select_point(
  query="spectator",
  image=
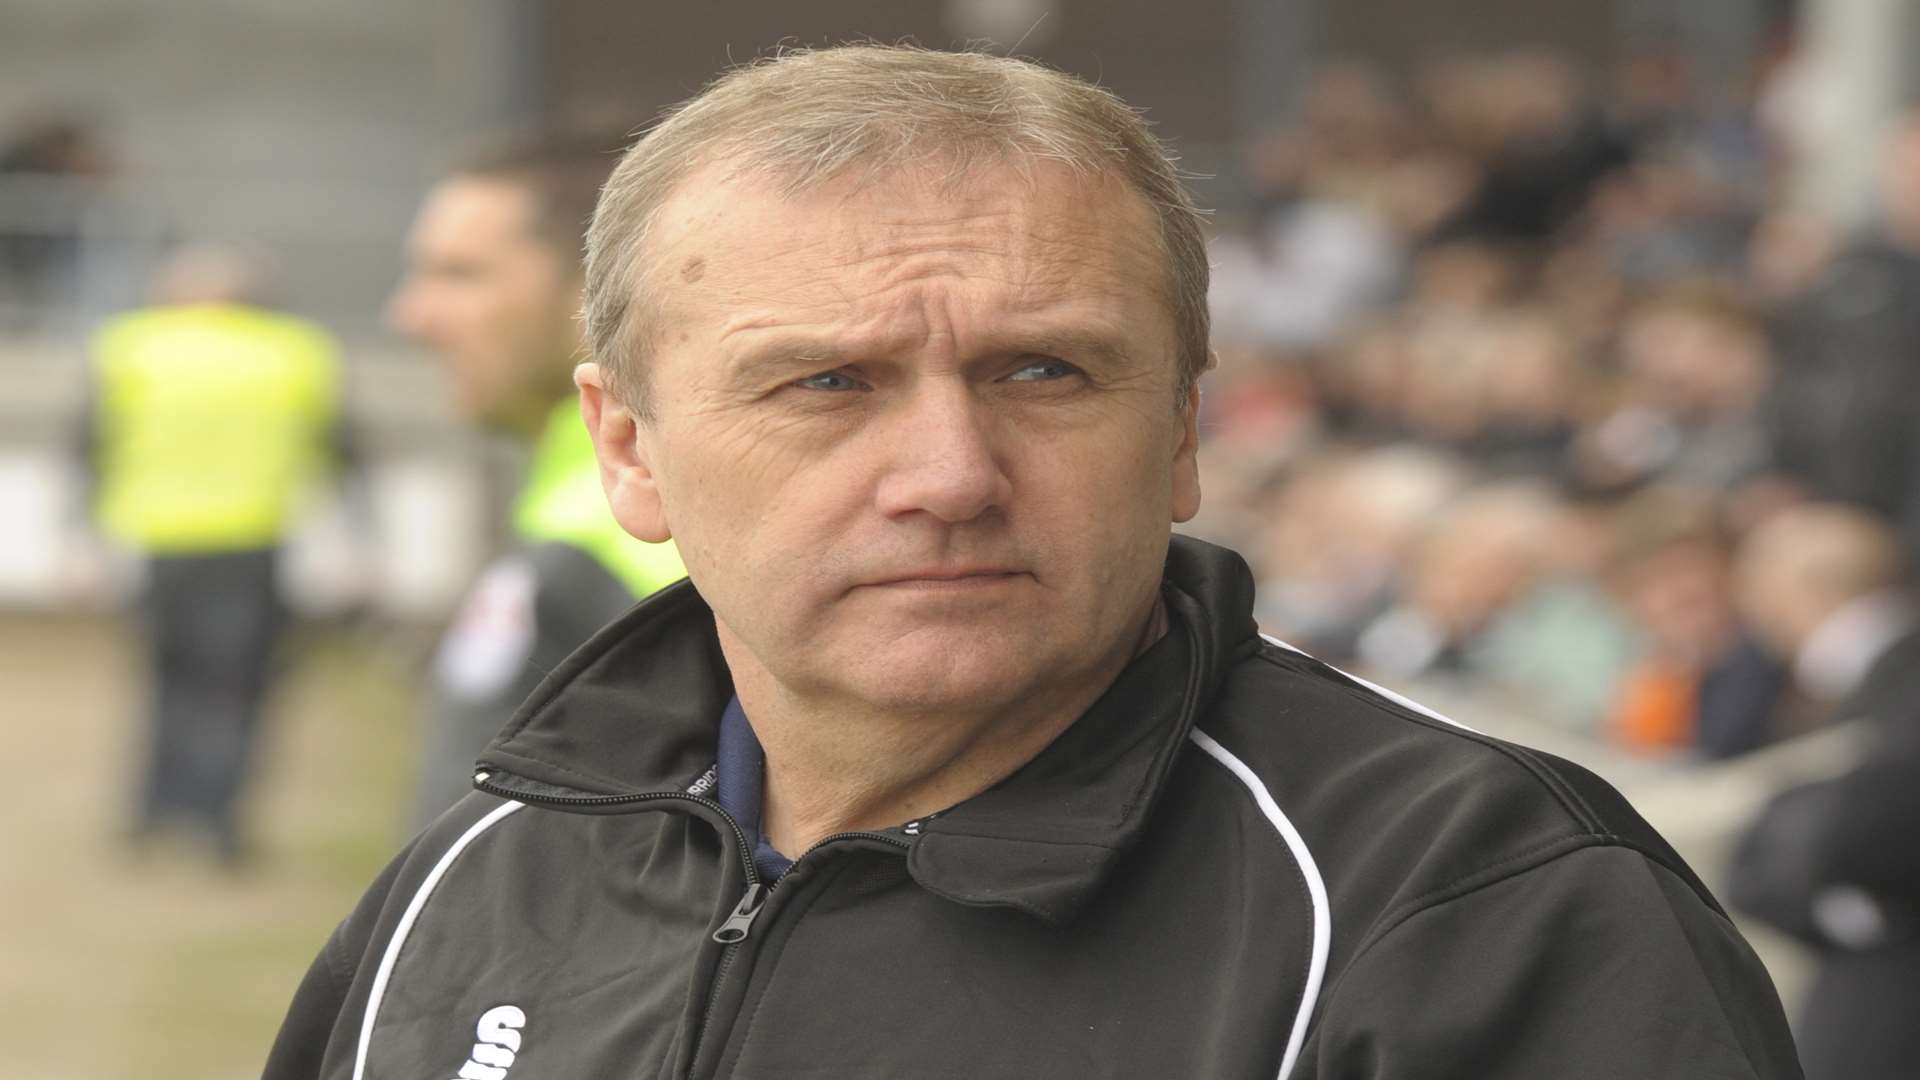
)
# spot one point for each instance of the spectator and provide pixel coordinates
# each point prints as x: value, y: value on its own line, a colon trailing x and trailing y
x: 1833, y: 862
x: 493, y: 288
x: 1475, y: 562
x: 1702, y: 684
x: 1533, y: 382
x: 1845, y: 417
x: 1339, y: 532
x: 211, y: 415
x: 1694, y: 367
x: 1546, y: 147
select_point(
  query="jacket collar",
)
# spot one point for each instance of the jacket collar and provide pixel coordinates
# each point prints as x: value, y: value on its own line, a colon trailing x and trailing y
x: 636, y: 709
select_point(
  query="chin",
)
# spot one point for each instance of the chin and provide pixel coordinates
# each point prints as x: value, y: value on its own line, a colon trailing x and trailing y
x: 956, y: 678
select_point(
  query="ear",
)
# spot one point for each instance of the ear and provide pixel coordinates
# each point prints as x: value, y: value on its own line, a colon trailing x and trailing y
x: 1186, y: 461
x: 626, y: 460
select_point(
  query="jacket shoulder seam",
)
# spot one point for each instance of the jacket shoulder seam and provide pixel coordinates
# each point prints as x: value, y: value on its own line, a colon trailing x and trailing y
x: 1520, y: 862
x: 1563, y: 793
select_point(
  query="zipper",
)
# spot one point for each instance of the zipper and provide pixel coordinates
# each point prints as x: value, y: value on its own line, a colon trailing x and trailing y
x: 885, y: 838
x: 734, y: 930
x: 739, y: 923
x: 483, y: 780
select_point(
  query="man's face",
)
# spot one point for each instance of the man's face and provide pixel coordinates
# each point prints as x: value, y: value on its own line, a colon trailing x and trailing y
x: 918, y: 444
x: 493, y: 302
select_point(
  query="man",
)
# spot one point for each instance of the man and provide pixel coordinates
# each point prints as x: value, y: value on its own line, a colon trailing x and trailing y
x: 945, y: 763
x: 210, y: 416
x: 1833, y: 862
x: 1844, y: 411
x: 493, y: 288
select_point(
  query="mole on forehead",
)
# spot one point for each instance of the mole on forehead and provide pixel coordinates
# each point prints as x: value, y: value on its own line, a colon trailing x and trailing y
x: 693, y: 269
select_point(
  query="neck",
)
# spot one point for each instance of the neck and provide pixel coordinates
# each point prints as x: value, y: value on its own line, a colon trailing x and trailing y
x: 833, y: 767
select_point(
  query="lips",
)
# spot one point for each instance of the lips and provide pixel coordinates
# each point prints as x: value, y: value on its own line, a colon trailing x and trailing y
x: 951, y: 576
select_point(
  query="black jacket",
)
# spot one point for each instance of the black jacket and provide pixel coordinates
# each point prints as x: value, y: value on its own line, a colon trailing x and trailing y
x: 1238, y: 863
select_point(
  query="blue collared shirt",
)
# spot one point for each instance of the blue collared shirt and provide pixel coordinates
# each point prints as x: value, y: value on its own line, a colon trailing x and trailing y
x: 740, y: 786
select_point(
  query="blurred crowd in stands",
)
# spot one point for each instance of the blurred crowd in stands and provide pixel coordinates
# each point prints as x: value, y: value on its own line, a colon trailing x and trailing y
x: 1512, y: 367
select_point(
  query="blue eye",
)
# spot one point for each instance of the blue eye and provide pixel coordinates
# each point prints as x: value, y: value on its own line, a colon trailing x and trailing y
x: 1042, y: 371
x: 829, y: 380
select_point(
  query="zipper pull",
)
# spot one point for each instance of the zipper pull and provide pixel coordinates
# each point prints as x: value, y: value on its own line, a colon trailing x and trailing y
x: 734, y: 930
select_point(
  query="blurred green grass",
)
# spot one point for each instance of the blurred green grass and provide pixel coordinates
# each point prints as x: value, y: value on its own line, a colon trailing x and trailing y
x: 160, y: 965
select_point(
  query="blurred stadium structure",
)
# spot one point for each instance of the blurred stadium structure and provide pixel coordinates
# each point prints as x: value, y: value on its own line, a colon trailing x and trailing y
x: 310, y: 131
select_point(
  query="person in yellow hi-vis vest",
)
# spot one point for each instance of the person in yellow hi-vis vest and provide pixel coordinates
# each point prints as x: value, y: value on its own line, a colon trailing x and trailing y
x: 209, y: 418
x: 492, y: 288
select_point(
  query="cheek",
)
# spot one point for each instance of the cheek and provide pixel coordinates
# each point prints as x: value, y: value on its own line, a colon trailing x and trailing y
x: 1110, y: 495
x: 744, y: 499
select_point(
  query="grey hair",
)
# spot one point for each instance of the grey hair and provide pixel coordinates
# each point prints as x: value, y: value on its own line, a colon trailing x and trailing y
x: 805, y: 117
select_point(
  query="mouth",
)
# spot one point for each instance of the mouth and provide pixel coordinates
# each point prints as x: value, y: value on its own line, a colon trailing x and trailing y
x: 948, y: 578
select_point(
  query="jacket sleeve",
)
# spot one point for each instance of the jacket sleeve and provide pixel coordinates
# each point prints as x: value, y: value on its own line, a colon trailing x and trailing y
x: 1596, y: 963
x: 320, y: 1004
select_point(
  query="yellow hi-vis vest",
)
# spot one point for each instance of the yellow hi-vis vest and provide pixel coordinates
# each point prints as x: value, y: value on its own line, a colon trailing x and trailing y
x: 211, y: 419
x: 563, y: 501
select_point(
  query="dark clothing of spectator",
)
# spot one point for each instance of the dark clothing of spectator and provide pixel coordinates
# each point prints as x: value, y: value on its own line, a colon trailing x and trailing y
x: 1844, y: 414
x: 1738, y: 702
x: 212, y: 622
x: 1506, y: 449
x: 1533, y: 186
x: 1834, y: 863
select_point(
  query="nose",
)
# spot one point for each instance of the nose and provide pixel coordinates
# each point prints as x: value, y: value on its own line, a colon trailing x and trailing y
x: 943, y: 458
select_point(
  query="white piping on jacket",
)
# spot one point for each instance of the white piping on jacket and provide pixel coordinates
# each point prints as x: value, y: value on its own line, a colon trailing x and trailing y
x: 400, y: 932
x: 1375, y: 687
x: 1316, y: 890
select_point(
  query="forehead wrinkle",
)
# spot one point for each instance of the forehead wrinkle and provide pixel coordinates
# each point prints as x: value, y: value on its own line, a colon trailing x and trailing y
x: 1025, y: 257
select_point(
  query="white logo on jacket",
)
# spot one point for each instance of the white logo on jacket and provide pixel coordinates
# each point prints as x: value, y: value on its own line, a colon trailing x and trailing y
x: 499, y: 1034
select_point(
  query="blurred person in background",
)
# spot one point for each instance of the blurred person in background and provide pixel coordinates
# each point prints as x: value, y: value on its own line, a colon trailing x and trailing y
x: 1835, y: 863
x: 1702, y: 684
x: 1542, y: 145
x: 1474, y: 560
x: 1495, y: 593
x: 1361, y: 385
x: 1319, y: 251
x: 493, y: 290
x: 1560, y: 648
x: 1339, y: 530
x: 1845, y: 415
x: 1695, y: 366
x: 1534, y: 384
x: 1457, y: 280
x: 210, y: 416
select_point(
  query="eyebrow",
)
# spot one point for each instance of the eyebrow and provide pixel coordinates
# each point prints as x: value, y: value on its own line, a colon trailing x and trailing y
x: 1070, y: 343
x: 784, y: 354
x: 802, y: 352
